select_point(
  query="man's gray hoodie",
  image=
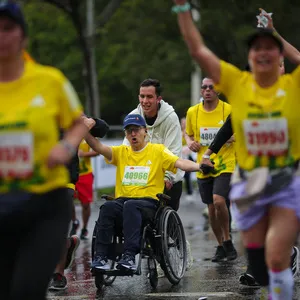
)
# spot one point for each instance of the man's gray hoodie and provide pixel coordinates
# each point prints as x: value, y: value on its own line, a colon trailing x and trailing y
x: 165, y: 130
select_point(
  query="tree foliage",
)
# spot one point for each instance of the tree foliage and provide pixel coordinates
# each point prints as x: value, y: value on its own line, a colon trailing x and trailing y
x: 141, y: 39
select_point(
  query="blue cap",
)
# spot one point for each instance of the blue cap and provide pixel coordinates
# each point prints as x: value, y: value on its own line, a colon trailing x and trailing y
x: 13, y: 11
x: 134, y: 119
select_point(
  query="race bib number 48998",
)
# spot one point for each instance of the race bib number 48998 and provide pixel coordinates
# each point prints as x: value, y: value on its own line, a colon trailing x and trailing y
x: 16, y: 155
x: 266, y: 137
x: 136, y: 175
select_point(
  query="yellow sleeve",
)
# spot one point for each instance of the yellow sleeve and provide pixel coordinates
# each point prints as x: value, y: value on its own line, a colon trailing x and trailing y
x: 169, y: 160
x: 230, y: 75
x: 296, y: 74
x: 188, y: 126
x: 116, y: 150
x: 69, y: 103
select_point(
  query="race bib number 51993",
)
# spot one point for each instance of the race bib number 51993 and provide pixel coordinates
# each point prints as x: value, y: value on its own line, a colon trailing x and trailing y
x: 16, y: 155
x: 136, y: 175
x: 266, y: 137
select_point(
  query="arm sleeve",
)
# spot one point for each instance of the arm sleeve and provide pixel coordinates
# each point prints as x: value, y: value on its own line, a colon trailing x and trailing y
x: 222, y: 136
x: 230, y: 75
x: 70, y: 107
x: 115, y: 155
x: 169, y: 160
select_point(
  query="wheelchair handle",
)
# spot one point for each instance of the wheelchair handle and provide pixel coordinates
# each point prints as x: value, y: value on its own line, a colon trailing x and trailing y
x: 107, y: 197
x: 163, y: 197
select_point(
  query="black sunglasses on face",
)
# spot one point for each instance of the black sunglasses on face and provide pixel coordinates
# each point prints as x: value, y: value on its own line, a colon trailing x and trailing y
x: 204, y: 87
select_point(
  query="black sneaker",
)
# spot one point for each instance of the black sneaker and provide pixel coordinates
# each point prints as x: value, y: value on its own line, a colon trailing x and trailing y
x: 127, y: 261
x: 58, y: 282
x: 230, y: 251
x: 247, y: 279
x: 75, y: 226
x: 74, y: 240
x: 295, y: 261
x: 220, y: 254
x: 84, y: 234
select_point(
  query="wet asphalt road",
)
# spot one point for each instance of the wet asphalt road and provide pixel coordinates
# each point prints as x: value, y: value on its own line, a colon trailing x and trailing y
x: 204, y: 279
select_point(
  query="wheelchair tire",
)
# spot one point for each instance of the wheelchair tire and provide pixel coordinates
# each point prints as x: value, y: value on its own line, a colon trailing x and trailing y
x: 107, y: 280
x: 153, y: 277
x: 173, y: 245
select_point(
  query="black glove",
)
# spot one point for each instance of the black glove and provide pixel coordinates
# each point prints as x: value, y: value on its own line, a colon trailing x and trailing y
x: 206, y: 169
x: 100, y: 129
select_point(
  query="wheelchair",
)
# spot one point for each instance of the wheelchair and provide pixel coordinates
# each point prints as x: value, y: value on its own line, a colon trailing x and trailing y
x: 163, y: 241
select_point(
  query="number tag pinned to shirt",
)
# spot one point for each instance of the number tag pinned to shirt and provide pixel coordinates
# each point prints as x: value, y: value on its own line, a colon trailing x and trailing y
x: 266, y: 137
x: 136, y: 175
x: 16, y: 155
x: 207, y: 135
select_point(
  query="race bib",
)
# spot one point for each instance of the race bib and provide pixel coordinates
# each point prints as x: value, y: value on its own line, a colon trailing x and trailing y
x: 266, y: 137
x: 16, y: 155
x: 207, y: 135
x: 136, y: 175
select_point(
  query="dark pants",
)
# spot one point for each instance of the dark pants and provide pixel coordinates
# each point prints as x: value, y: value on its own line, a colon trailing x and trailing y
x: 188, y: 183
x: 175, y: 194
x: 33, y: 229
x: 122, y: 211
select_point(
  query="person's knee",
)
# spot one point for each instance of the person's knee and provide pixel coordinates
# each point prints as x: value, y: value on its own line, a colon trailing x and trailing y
x: 85, y: 206
x: 219, y: 203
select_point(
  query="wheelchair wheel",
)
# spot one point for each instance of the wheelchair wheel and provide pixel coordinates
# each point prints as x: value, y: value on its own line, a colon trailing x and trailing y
x: 152, y: 272
x: 101, y: 279
x: 173, y: 245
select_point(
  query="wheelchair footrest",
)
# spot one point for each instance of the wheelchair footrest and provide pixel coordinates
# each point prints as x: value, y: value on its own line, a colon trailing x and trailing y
x: 115, y: 272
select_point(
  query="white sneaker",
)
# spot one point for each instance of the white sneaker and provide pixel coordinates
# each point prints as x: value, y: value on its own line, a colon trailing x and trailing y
x: 205, y: 212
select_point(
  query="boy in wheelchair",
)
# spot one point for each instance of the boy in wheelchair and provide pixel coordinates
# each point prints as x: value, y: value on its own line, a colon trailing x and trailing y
x: 139, y: 178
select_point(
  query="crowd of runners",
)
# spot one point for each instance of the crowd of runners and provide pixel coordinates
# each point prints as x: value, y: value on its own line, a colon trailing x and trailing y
x: 247, y: 157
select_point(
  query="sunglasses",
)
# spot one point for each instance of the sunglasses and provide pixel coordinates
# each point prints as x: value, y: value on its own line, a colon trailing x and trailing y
x: 133, y: 129
x: 204, y: 87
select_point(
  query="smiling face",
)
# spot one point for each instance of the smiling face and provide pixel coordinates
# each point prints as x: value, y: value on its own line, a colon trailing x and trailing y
x: 264, y: 55
x: 149, y: 101
x: 12, y: 40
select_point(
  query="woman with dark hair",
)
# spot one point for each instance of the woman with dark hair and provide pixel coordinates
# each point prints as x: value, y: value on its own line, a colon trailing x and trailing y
x: 265, y: 192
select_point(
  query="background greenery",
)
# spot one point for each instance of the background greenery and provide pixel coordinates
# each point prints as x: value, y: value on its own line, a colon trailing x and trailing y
x: 142, y: 40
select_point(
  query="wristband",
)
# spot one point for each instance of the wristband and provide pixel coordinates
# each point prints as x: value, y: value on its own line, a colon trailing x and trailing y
x: 177, y: 9
x: 70, y: 148
x: 206, y: 156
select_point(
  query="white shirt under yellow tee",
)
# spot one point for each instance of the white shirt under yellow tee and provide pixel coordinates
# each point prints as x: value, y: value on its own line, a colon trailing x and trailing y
x: 85, y: 164
x: 141, y: 173
x: 32, y: 110
x: 265, y: 120
x: 203, y: 126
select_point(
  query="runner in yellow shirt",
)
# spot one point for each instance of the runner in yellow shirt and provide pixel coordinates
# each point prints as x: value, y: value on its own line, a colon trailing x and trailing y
x: 265, y: 118
x: 202, y: 124
x: 34, y: 207
x: 84, y: 188
x: 140, y: 175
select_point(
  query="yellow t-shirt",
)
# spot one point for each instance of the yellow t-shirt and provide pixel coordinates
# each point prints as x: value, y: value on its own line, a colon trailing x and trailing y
x: 71, y: 186
x: 85, y: 164
x: 265, y: 120
x: 203, y: 126
x: 32, y: 110
x: 141, y: 174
